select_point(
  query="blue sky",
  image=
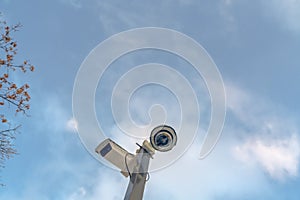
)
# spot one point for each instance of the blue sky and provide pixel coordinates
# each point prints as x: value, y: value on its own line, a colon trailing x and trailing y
x: 255, y: 45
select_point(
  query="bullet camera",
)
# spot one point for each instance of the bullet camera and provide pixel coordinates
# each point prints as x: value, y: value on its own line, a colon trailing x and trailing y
x: 115, y: 154
x: 163, y: 138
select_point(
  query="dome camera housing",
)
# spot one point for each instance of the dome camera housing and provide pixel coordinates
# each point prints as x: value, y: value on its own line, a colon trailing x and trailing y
x: 163, y: 138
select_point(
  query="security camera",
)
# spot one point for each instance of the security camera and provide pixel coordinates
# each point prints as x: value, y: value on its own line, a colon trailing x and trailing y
x: 163, y: 138
x: 115, y: 154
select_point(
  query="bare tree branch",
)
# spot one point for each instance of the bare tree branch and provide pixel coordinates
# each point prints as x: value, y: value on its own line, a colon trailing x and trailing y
x: 14, y: 98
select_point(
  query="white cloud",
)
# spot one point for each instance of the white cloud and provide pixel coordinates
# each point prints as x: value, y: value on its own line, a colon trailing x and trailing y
x: 115, y: 18
x: 72, y: 125
x: 278, y: 157
x: 286, y: 12
x: 109, y: 185
x: 80, y: 193
x: 74, y: 3
x: 191, y: 178
x: 54, y: 115
x: 257, y: 113
x: 269, y: 138
x: 225, y: 10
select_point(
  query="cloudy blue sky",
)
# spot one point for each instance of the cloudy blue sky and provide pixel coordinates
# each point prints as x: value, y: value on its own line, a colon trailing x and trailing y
x: 255, y: 45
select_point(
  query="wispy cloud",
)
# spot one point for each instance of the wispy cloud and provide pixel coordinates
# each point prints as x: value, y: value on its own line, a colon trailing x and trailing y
x: 106, y: 185
x: 225, y: 11
x: 287, y: 13
x: 278, y: 157
x: 284, y: 13
x: 53, y: 116
x: 115, y: 17
x: 71, y: 125
x: 80, y: 193
x: 74, y: 3
x: 270, y: 139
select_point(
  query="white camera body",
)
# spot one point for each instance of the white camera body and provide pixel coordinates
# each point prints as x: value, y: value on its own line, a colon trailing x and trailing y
x: 116, y: 155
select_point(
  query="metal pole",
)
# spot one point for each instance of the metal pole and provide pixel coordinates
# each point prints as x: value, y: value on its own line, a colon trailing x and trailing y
x: 138, y: 178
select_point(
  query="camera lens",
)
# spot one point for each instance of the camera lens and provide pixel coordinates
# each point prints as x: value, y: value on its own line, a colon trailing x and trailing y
x: 163, y: 138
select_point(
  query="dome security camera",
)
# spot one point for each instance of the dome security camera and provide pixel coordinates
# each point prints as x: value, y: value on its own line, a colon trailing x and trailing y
x: 163, y: 138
